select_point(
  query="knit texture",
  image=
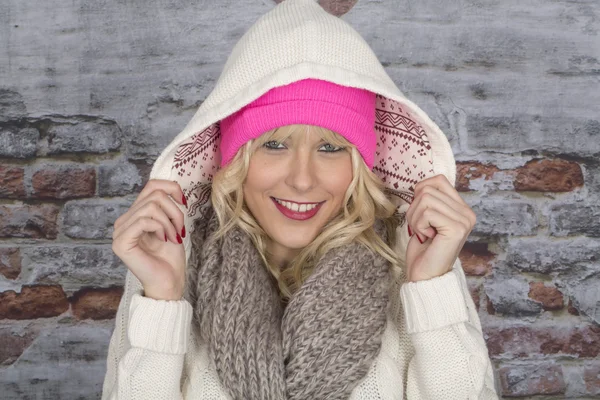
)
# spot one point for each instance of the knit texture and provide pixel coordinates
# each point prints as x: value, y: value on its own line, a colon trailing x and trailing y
x: 310, y: 350
x: 347, y: 111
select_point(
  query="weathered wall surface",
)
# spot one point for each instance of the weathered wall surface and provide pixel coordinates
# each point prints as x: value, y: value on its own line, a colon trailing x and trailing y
x: 91, y: 91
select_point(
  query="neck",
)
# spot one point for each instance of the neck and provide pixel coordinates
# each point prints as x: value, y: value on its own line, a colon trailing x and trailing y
x: 279, y: 255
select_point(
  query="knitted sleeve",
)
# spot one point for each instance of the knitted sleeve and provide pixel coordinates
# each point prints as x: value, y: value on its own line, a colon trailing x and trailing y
x: 147, y: 348
x: 450, y: 358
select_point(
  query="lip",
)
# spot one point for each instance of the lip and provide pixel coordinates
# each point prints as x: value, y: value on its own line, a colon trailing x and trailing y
x: 296, y: 215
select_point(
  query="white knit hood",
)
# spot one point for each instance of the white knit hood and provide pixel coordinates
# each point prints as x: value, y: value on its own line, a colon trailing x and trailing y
x: 296, y: 40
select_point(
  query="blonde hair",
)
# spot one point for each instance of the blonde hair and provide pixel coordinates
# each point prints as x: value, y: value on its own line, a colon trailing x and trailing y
x: 365, y: 201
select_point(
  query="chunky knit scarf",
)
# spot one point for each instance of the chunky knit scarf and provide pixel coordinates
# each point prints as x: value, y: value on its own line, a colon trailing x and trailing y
x: 319, y: 346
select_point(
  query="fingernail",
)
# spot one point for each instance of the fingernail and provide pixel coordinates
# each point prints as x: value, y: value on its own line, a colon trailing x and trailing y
x: 165, y: 237
x: 409, y: 232
x: 419, y: 238
x: 178, y: 238
x: 183, y: 200
x: 183, y: 232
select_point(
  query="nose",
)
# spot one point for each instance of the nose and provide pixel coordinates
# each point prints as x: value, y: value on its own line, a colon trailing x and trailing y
x: 302, y: 171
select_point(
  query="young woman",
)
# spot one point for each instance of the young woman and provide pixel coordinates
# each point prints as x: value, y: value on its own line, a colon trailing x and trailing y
x: 323, y: 230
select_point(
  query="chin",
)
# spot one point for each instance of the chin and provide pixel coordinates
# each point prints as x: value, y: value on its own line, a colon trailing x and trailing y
x: 293, y: 237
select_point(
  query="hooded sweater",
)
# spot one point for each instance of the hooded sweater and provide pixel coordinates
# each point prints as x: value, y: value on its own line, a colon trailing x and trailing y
x: 432, y: 346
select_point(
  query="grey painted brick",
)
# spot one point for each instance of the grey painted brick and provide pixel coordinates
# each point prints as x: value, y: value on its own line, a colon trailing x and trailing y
x: 162, y: 120
x: 82, y: 134
x: 504, y: 217
x: 117, y: 59
x: 576, y: 256
x: 92, y: 219
x: 573, y: 375
x: 18, y: 142
x: 591, y: 177
x: 555, y: 37
x: 72, y: 266
x: 42, y: 371
x: 118, y: 179
x: 575, y: 219
x: 586, y: 295
x: 520, y: 132
x: 510, y: 296
x: 482, y: 111
x: 11, y: 105
x: 532, y: 379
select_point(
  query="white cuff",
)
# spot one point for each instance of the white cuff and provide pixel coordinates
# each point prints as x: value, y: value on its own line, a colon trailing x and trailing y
x: 433, y: 303
x: 159, y: 325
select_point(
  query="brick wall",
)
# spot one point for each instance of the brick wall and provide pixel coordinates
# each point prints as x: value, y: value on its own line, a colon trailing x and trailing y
x: 91, y: 92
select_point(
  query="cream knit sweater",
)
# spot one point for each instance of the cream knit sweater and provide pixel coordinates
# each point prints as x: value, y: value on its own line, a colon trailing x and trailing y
x: 432, y: 347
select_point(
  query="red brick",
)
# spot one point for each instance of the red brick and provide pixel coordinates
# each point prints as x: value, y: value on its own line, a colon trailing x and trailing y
x: 489, y: 306
x: 29, y: 221
x: 11, y: 183
x: 475, y: 290
x: 571, y: 308
x: 525, y: 341
x: 63, y: 182
x: 530, y: 380
x: 475, y: 259
x: 33, y: 302
x: 465, y: 171
x: 10, y: 262
x: 96, y: 303
x: 334, y: 7
x: 13, y: 345
x: 591, y: 376
x: 549, y: 176
x: 550, y: 297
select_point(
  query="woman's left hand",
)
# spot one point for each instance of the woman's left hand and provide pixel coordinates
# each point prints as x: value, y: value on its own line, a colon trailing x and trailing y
x: 443, y: 221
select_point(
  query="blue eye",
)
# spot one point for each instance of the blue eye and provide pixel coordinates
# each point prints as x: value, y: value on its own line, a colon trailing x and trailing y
x: 273, y: 145
x: 329, y: 148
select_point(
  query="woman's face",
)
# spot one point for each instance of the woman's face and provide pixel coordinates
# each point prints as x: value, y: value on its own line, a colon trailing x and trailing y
x: 293, y: 188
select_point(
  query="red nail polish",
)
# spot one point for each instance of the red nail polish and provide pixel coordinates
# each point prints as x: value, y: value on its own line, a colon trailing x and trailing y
x: 183, y: 200
x: 165, y: 237
x: 409, y: 232
x: 179, y: 238
x: 183, y: 232
x: 419, y: 239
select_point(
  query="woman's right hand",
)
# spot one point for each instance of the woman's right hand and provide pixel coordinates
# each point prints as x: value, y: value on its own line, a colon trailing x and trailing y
x: 146, y: 238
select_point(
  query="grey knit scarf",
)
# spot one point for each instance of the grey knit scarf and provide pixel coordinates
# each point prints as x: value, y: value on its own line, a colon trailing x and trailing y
x: 319, y: 346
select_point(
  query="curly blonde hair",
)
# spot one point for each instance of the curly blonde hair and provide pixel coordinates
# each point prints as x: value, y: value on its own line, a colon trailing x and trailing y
x: 365, y: 201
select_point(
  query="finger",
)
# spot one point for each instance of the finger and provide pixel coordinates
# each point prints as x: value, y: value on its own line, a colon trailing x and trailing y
x: 429, y: 202
x: 158, y: 206
x: 431, y: 192
x: 441, y: 183
x: 172, y: 211
x: 130, y: 236
x: 128, y: 244
x: 161, y: 197
x: 171, y: 188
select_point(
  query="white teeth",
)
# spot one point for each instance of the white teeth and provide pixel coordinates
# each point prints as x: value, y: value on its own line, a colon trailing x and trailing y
x: 297, y: 207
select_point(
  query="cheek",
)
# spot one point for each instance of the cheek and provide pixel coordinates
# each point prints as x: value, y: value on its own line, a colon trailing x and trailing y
x: 338, y: 178
x: 260, y: 179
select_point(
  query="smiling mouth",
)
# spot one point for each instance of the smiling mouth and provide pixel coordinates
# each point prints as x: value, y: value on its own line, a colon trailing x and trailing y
x: 297, y: 207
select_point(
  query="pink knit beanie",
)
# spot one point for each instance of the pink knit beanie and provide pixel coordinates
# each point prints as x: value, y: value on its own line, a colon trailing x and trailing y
x: 347, y: 111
